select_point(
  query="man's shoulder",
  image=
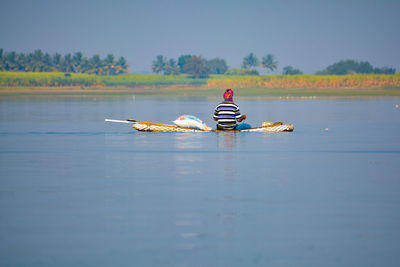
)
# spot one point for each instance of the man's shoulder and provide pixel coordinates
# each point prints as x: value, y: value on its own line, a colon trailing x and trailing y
x: 227, y: 103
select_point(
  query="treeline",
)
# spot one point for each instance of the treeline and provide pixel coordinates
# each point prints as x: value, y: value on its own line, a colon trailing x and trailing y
x: 193, y: 65
x: 349, y: 66
x: 69, y: 63
x: 199, y: 67
x: 196, y: 66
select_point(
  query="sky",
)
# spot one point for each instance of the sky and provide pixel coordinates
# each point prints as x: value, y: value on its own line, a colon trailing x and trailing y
x: 305, y: 34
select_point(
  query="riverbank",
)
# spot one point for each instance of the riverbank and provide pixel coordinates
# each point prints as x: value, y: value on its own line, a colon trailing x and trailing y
x: 193, y: 91
x: 16, y: 83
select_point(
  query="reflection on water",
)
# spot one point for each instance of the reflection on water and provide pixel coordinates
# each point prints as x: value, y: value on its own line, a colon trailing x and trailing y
x: 187, y: 163
x: 228, y: 140
x: 207, y: 171
x: 189, y: 141
x: 223, y: 146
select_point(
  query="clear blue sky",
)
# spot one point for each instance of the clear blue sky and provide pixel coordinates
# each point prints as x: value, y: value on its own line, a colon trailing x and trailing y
x: 309, y: 35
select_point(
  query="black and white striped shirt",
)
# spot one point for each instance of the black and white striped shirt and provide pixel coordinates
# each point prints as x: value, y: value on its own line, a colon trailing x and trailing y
x: 226, y: 113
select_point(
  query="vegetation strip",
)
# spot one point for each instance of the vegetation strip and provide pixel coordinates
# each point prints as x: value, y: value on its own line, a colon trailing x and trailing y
x: 57, y: 79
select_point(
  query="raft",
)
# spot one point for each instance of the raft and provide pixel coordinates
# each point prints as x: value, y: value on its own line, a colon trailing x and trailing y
x: 267, y: 127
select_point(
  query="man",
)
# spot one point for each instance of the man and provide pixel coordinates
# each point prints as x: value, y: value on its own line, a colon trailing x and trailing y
x: 227, y: 114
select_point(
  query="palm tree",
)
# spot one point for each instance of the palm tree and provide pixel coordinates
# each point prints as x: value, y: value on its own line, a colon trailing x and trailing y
x: 159, y: 64
x: 109, y: 59
x: 77, y: 61
x: 11, y: 61
x: 22, y: 62
x: 37, y: 61
x: 57, y: 62
x: 1, y: 59
x: 109, y: 62
x: 269, y: 63
x: 121, y: 66
x: 171, y: 68
x: 96, y: 65
x: 67, y: 63
x: 85, y: 65
x: 47, y: 62
x: 250, y: 61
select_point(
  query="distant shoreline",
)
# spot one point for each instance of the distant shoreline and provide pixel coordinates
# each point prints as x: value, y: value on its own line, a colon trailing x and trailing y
x: 196, y: 91
x: 309, y: 85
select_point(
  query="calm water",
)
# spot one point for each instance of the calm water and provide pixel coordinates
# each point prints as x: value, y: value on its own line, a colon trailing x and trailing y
x: 76, y: 191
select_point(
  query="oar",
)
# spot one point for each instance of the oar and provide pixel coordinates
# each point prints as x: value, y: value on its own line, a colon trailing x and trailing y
x: 120, y: 121
x: 135, y: 121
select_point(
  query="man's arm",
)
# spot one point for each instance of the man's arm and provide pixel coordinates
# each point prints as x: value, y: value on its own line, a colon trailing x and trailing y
x: 243, y: 117
x: 216, y: 113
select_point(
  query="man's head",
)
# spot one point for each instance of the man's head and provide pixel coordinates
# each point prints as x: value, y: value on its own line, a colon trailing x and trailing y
x: 228, y: 94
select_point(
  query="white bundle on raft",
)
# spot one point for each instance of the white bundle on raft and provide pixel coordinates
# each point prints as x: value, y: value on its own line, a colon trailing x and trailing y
x: 190, y: 121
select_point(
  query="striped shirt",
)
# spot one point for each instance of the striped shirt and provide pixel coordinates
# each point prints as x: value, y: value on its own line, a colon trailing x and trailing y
x: 226, y: 113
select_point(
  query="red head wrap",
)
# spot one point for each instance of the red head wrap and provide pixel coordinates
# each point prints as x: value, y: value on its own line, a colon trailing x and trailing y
x: 228, y: 95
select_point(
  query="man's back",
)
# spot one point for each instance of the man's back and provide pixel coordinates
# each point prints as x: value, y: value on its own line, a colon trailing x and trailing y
x: 226, y: 113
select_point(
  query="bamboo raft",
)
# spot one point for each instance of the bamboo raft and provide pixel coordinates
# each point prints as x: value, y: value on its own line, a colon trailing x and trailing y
x: 145, y: 126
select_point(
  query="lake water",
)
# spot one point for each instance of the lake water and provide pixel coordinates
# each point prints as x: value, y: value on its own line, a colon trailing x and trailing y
x: 77, y: 191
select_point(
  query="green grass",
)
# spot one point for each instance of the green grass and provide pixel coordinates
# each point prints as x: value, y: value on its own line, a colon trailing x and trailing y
x: 307, y: 81
x: 31, y: 79
x: 131, y: 80
x: 56, y: 79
